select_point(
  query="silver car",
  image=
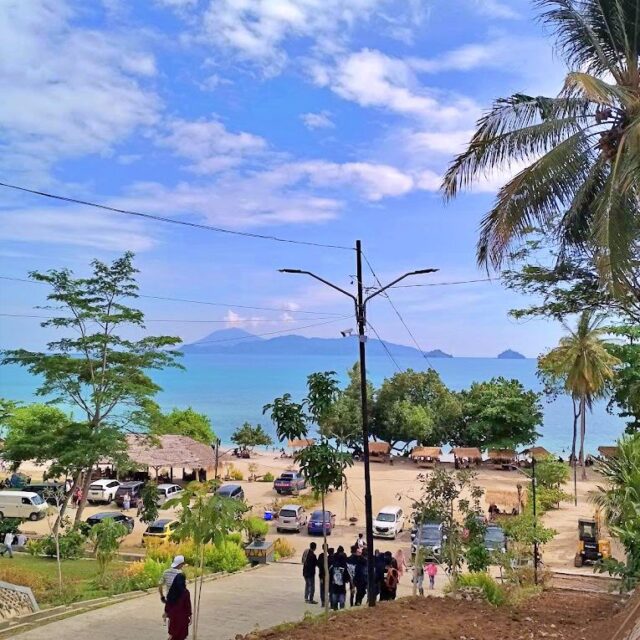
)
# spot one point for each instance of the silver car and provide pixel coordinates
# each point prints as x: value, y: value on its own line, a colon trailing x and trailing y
x: 292, y: 517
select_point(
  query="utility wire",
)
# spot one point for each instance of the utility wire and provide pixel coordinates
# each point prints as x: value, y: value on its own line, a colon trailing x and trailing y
x: 441, y: 284
x: 386, y: 348
x: 213, y: 304
x: 149, y: 216
x: 393, y: 306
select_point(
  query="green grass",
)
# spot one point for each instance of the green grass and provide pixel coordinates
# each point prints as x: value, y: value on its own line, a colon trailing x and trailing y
x: 41, y: 575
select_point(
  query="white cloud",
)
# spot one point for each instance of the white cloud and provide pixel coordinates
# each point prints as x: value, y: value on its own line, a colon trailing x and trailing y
x: 320, y: 120
x: 209, y: 145
x: 74, y: 227
x: 66, y: 90
x: 496, y: 9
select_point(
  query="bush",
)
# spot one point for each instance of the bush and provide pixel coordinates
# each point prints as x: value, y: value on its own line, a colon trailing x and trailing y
x: 478, y: 558
x: 9, y: 525
x: 256, y: 527
x: 72, y: 545
x: 236, y: 474
x: 283, y: 548
x: 228, y: 557
x: 267, y: 477
x: 41, y: 586
x: 144, y: 574
x: 493, y: 592
x: 236, y: 537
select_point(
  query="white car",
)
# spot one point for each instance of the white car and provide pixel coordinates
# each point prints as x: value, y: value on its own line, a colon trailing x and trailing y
x: 103, y: 490
x: 389, y: 522
x: 168, y: 492
x: 292, y: 517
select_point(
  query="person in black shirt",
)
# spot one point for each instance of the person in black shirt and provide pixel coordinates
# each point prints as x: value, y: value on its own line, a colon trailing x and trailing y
x: 320, y: 564
x: 309, y: 564
x: 339, y: 578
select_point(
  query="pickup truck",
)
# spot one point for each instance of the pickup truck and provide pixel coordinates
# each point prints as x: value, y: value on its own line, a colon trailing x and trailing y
x: 290, y: 482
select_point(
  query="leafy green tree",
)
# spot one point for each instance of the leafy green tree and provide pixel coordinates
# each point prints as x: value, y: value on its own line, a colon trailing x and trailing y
x: 149, y: 510
x: 184, y: 422
x: 204, y: 518
x: 582, y: 361
x: 414, y: 406
x: 499, y: 413
x: 91, y: 365
x: 625, y: 386
x: 579, y: 149
x: 7, y: 407
x: 106, y: 536
x: 248, y: 436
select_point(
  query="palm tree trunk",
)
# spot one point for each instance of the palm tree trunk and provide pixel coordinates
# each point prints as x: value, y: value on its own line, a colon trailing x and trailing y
x: 574, y: 462
x: 325, y: 550
x: 583, y: 429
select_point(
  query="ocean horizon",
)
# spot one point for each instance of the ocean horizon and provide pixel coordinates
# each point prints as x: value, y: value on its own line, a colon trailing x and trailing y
x: 233, y: 388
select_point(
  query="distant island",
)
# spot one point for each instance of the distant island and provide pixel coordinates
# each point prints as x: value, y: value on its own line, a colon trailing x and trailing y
x: 239, y: 341
x: 509, y: 354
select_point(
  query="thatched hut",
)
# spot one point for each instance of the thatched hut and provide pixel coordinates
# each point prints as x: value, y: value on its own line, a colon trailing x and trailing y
x: 537, y: 453
x: 466, y: 456
x: 426, y: 457
x: 301, y: 443
x: 502, y: 458
x: 379, y: 452
x: 609, y: 452
x: 505, y: 502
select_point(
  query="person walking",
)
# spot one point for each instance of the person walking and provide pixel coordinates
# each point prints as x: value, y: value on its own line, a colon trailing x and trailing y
x: 126, y: 501
x: 178, y: 608
x: 361, y: 542
x: 339, y: 578
x: 401, y: 562
x: 419, y: 578
x: 360, y: 577
x: 432, y: 572
x: 321, y: 574
x: 352, y: 563
x: 8, y: 544
x: 170, y: 575
x: 309, y: 565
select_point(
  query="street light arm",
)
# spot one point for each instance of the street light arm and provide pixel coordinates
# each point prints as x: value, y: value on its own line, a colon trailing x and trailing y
x: 402, y: 277
x: 313, y: 275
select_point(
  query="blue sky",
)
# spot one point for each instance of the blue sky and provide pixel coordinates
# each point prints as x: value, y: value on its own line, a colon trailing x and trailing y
x: 322, y: 120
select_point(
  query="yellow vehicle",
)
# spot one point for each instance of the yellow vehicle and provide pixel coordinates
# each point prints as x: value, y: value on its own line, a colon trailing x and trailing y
x: 160, y: 530
x: 592, y: 547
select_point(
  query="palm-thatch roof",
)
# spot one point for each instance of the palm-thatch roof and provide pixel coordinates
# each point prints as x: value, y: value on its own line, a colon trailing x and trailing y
x: 536, y: 452
x: 609, y: 452
x: 505, y: 499
x: 170, y: 451
x: 301, y: 443
x: 379, y: 448
x: 502, y: 455
x: 471, y: 453
x: 426, y: 452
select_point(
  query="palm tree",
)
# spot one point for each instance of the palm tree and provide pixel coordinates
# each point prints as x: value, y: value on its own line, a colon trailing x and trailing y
x: 581, y: 149
x: 582, y: 361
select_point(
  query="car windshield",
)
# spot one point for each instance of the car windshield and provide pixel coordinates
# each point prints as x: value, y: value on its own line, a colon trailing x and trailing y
x: 494, y: 534
x: 317, y: 516
x: 226, y: 491
x: 386, y: 517
x: 290, y: 513
x: 429, y: 535
x: 96, y: 487
x: 37, y: 499
x: 156, y: 528
x: 287, y: 476
x: 161, y: 493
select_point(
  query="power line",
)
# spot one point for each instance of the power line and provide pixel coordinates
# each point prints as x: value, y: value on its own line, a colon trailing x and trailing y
x: 393, y: 306
x: 441, y: 284
x: 149, y: 216
x: 386, y: 348
x: 205, y: 302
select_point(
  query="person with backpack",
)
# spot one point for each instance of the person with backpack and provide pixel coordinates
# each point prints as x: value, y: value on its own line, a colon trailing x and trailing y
x: 360, y: 577
x: 320, y: 564
x: 352, y: 563
x: 389, y: 581
x: 392, y: 579
x: 309, y: 565
x: 339, y: 578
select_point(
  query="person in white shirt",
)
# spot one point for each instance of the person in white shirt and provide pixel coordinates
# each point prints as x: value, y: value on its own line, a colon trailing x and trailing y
x: 169, y: 575
x: 8, y: 543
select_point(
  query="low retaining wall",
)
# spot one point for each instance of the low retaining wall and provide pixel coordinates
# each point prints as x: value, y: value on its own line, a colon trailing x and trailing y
x: 16, y: 601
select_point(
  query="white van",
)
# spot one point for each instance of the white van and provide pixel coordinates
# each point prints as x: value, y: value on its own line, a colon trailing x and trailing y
x: 292, y: 517
x: 389, y: 522
x: 167, y: 492
x: 22, y: 504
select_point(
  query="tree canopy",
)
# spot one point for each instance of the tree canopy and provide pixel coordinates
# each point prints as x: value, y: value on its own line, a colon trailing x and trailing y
x: 625, y: 386
x: 184, y: 422
x: 248, y: 436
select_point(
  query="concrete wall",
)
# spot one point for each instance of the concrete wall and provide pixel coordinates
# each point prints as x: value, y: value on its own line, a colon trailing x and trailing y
x: 16, y: 601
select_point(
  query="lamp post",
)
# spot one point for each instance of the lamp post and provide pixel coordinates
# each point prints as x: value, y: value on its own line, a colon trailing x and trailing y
x: 360, y: 303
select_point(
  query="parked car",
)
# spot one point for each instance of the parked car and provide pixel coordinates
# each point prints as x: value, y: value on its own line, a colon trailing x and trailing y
x: 122, y: 518
x: 495, y: 539
x: 18, y: 480
x: 168, y: 492
x: 134, y: 489
x: 316, y: 521
x: 234, y: 491
x: 22, y: 504
x: 389, y: 522
x: 52, y: 492
x: 292, y: 517
x: 103, y: 490
x: 428, y: 536
x: 290, y: 482
x: 161, y: 529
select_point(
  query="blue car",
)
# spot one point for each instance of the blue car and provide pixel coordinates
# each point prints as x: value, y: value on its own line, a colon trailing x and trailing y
x: 316, y: 520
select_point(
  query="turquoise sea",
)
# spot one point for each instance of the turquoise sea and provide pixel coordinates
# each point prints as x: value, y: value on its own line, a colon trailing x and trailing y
x: 233, y: 388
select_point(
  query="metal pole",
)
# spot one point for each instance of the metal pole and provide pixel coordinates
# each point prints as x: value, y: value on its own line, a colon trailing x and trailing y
x: 368, y: 506
x: 535, y: 520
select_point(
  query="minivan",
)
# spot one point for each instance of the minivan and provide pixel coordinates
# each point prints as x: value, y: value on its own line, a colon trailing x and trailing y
x: 134, y: 489
x: 233, y: 491
x: 22, y: 504
x: 103, y: 490
x: 292, y: 517
x: 389, y: 522
x: 168, y: 492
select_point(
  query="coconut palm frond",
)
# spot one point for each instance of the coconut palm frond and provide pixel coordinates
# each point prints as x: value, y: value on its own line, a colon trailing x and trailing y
x: 588, y: 87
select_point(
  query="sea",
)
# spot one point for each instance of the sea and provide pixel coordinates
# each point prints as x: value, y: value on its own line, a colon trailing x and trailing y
x: 233, y: 388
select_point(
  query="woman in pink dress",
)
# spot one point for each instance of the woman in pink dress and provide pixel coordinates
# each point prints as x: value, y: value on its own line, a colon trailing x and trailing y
x: 402, y: 565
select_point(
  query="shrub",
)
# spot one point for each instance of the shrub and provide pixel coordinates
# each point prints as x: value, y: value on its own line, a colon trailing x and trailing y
x: 228, y: 557
x: 9, y: 525
x: 493, y: 592
x: 236, y: 474
x: 283, y: 548
x: 267, y: 477
x: 223, y: 558
x: 72, y: 545
x: 256, y: 527
x: 236, y: 537
x: 144, y: 574
x: 478, y: 558
x: 41, y: 586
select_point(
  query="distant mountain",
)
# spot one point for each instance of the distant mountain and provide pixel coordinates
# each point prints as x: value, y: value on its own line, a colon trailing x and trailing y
x: 241, y: 342
x: 509, y: 354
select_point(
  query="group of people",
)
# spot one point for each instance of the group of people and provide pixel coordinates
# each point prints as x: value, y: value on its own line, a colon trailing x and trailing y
x: 6, y: 548
x: 350, y: 572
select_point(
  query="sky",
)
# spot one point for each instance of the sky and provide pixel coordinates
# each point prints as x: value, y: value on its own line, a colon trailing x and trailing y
x: 324, y: 121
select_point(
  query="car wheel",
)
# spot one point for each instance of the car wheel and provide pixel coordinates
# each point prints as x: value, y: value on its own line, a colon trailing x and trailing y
x: 278, y: 529
x: 33, y: 517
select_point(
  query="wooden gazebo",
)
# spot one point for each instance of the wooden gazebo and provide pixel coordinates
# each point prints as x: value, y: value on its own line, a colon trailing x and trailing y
x: 538, y: 453
x: 609, y: 452
x: 466, y: 456
x: 426, y: 457
x: 502, y: 458
x: 379, y: 452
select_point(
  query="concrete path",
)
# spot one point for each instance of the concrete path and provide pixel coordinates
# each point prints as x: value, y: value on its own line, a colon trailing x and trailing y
x: 236, y: 604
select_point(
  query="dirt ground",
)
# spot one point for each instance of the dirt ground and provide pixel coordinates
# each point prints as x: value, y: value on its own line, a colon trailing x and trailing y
x: 559, y: 615
x: 395, y: 484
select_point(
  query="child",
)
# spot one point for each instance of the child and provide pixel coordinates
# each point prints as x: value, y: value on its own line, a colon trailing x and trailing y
x: 432, y: 570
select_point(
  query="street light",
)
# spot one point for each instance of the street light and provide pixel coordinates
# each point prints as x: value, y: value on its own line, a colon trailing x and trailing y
x: 360, y: 303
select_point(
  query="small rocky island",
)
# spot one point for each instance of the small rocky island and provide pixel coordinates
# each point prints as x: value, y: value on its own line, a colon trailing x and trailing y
x: 509, y: 354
